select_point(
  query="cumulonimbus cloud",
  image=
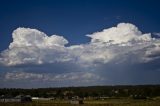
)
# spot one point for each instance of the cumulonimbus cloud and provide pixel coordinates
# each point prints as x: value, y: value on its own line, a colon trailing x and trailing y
x: 121, y: 46
x: 31, y: 46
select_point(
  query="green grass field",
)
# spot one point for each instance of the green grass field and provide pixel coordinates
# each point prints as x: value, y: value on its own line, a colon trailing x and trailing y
x: 109, y: 102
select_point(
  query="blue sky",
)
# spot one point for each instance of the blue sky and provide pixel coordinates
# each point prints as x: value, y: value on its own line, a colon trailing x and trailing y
x: 73, y: 20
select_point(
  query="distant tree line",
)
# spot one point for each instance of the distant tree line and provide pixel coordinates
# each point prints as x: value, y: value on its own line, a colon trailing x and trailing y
x: 91, y: 91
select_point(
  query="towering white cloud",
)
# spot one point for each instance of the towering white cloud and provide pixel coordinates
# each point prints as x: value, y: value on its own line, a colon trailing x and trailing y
x: 123, y: 33
x: 31, y: 46
x: 26, y: 37
x: 119, y: 47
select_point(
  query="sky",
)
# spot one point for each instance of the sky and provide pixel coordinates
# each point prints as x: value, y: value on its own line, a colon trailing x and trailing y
x: 56, y: 43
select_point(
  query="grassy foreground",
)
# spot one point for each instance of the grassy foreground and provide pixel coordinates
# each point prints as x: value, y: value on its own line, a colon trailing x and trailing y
x: 109, y: 102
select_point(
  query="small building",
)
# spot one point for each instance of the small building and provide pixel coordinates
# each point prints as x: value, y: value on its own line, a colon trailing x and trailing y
x: 80, y: 101
x: 5, y: 98
x: 19, y: 98
x: 43, y: 99
x: 35, y: 98
x: 76, y: 102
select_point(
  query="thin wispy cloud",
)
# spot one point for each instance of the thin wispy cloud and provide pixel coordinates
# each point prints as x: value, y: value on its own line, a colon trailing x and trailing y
x: 156, y: 34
